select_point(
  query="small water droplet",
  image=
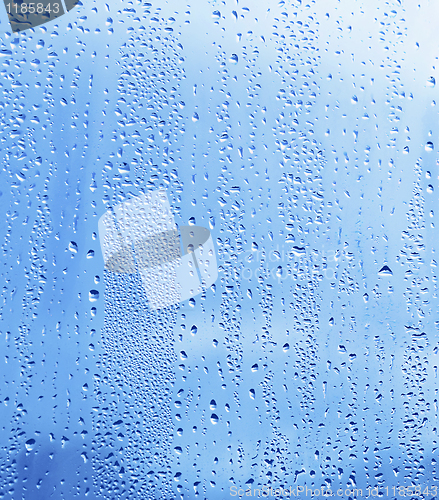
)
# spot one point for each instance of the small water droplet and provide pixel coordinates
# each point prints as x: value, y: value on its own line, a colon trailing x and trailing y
x: 73, y: 247
x: 30, y: 443
x: 431, y: 82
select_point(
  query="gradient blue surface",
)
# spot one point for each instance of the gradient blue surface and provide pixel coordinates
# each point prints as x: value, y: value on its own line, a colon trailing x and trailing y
x: 304, y: 136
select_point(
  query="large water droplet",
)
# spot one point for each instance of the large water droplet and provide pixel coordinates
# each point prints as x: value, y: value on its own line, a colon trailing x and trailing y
x: 385, y: 271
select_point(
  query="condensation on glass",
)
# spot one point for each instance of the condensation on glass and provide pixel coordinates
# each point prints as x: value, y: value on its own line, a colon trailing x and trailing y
x: 219, y: 268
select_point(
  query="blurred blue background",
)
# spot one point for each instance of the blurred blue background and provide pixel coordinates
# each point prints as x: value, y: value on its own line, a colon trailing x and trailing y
x: 304, y: 136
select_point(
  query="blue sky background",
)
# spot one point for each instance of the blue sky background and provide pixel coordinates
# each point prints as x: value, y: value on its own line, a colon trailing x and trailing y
x: 292, y: 126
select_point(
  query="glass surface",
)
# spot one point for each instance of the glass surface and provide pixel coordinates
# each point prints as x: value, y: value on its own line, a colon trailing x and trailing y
x: 219, y: 269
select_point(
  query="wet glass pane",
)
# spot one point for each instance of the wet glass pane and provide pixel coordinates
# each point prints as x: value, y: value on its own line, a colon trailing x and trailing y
x: 219, y: 269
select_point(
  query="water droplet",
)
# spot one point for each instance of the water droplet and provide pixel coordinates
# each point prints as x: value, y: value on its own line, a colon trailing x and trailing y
x: 298, y: 251
x: 30, y: 443
x: 431, y: 82
x: 385, y: 271
x: 73, y: 247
